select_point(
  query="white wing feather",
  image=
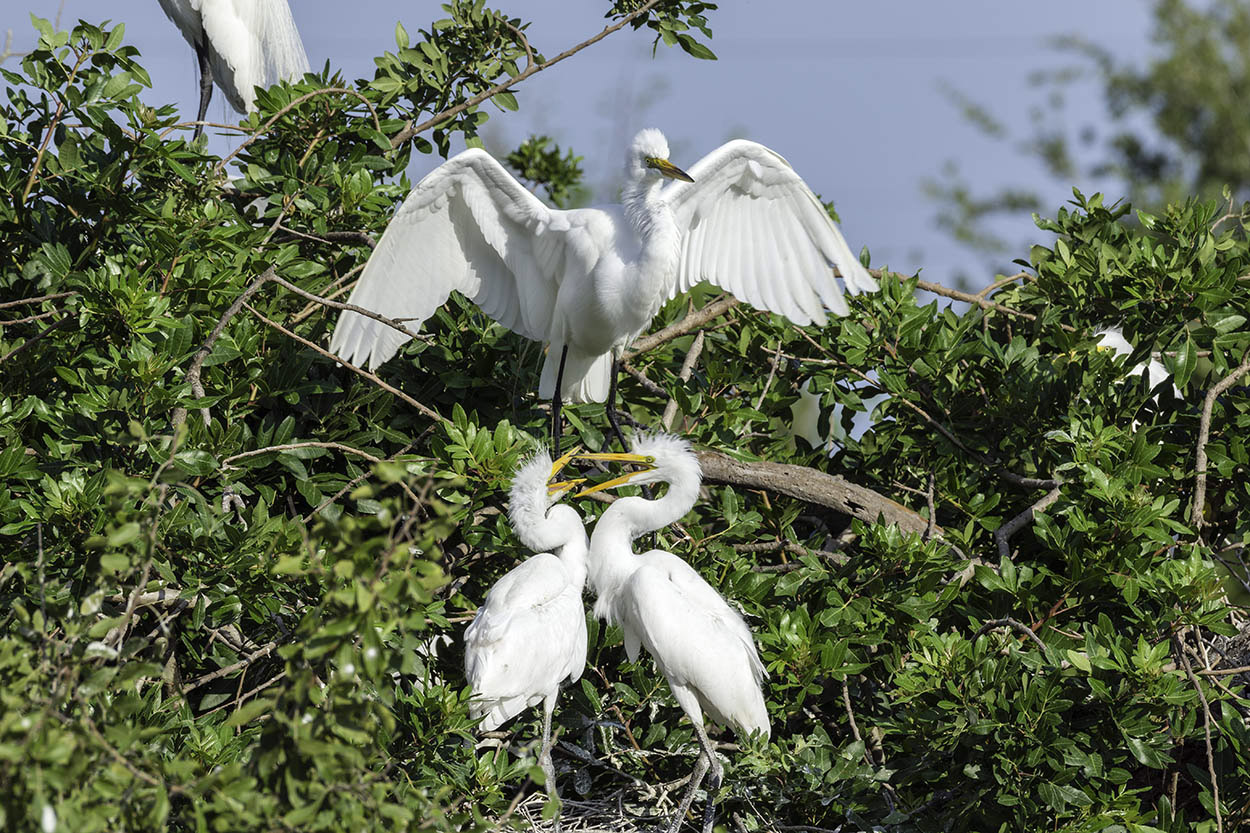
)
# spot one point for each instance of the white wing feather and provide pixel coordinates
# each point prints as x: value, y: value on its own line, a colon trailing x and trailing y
x: 698, y: 641
x: 251, y: 43
x: 528, y: 636
x: 753, y: 227
x: 467, y: 226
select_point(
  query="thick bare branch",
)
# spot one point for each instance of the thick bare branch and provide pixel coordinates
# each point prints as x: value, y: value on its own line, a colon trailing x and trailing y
x: 812, y: 486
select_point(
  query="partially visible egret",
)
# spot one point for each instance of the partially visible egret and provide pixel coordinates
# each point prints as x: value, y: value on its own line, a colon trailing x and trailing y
x: 699, y: 643
x: 240, y: 44
x: 530, y: 633
x: 1155, y: 373
x: 588, y: 281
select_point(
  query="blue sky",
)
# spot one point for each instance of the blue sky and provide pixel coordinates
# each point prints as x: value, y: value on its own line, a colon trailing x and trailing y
x: 850, y: 93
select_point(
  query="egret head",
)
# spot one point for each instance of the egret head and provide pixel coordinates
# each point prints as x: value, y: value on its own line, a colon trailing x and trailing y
x: 661, y: 458
x: 648, y: 158
x: 532, y: 490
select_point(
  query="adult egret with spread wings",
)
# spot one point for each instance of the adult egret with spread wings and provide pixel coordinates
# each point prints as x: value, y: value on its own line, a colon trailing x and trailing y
x: 699, y: 643
x: 588, y: 281
x: 530, y: 633
x: 241, y: 45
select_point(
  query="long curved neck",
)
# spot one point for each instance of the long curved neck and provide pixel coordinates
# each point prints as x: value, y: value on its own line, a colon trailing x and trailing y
x: 612, y: 558
x: 561, y: 532
x: 651, y: 218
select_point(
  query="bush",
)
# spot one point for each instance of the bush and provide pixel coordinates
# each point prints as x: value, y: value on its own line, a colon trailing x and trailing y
x: 235, y: 617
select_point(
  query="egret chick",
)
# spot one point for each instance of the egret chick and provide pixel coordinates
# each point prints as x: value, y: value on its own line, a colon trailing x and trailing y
x: 240, y: 45
x: 530, y: 633
x: 700, y: 644
x: 588, y: 281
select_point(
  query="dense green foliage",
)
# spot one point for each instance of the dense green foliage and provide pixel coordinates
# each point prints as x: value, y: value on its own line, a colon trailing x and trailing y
x: 236, y: 624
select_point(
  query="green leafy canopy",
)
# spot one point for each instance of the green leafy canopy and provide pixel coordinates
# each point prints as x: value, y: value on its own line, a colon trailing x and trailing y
x: 253, y: 619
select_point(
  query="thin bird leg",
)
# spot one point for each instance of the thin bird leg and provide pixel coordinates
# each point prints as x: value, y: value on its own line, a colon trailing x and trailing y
x: 557, y: 427
x: 544, y: 758
x: 206, y: 85
x: 700, y: 769
x: 713, y: 780
x: 610, y: 407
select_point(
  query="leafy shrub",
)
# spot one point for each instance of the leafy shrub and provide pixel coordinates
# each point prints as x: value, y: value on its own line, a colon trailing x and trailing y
x: 238, y: 621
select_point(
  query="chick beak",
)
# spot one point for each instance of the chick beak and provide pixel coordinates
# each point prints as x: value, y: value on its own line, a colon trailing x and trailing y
x: 647, y: 463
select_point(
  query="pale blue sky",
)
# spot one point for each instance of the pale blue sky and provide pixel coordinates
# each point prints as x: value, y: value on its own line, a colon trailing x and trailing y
x: 848, y: 92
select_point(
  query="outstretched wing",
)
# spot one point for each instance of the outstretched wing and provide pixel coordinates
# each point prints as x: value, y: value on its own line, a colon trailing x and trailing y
x: 753, y: 227
x: 467, y: 226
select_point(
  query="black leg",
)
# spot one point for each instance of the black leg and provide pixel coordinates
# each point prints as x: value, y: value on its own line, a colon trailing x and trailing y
x: 557, y: 426
x: 206, y: 86
x: 610, y: 408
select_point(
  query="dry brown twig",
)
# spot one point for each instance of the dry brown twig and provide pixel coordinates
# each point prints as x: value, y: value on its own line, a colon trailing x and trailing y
x: 687, y: 367
x: 1181, y: 651
x: 408, y: 132
x: 1204, y: 434
x: 1014, y: 624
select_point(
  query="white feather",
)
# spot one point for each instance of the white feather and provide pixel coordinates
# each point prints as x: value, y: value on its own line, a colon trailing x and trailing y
x: 251, y: 43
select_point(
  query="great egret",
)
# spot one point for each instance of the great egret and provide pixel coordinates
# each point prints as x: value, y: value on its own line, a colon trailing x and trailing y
x: 240, y: 44
x: 699, y: 643
x: 588, y: 281
x: 1113, y: 338
x: 530, y: 633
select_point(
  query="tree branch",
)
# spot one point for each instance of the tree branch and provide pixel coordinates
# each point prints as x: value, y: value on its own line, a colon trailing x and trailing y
x: 197, y: 363
x: 1204, y: 434
x: 693, y: 321
x: 432, y: 414
x: 812, y: 486
x: 408, y: 132
x: 687, y: 367
x: 1015, y: 624
x: 1003, y: 534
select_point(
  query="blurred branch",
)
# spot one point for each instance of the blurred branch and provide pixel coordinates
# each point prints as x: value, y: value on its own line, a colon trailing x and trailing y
x: 408, y: 132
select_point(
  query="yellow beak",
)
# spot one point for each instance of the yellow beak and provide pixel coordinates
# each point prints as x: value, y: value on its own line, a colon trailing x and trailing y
x: 647, y: 462
x: 562, y: 486
x: 668, y: 169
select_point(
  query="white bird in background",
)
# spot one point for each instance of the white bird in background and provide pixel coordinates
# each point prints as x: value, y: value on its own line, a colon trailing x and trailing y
x: 588, y: 281
x: 699, y: 643
x: 530, y: 633
x: 1113, y: 338
x: 240, y: 44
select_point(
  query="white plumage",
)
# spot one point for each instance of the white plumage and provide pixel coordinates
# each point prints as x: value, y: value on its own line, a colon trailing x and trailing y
x: 530, y: 633
x: 700, y: 644
x: 591, y: 280
x: 243, y: 44
x: 1156, y: 374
